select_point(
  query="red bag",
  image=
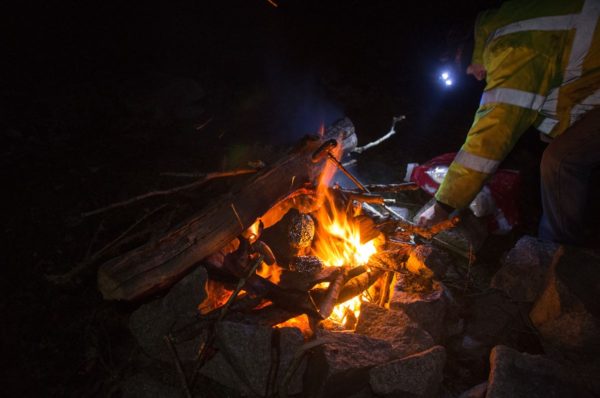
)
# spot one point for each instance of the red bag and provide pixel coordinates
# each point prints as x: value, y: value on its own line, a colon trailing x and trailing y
x: 496, y: 200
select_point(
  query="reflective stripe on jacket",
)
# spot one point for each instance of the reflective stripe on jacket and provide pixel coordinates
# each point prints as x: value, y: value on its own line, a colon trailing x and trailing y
x: 542, y: 59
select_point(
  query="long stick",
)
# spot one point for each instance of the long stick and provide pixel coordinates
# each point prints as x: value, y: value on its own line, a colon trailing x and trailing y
x: 392, y: 131
x: 205, y: 178
x: 239, y: 286
x: 182, y: 378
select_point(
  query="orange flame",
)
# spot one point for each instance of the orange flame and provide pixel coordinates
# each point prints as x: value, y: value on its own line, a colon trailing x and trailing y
x: 338, y: 240
x: 216, y: 296
x: 272, y: 272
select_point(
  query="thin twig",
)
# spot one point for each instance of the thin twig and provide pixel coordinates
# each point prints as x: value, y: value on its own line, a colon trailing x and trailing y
x: 178, y: 366
x: 202, y: 125
x: 204, y: 179
x: 210, y: 339
x: 239, y: 286
x: 295, y: 364
x: 469, y: 264
x: 93, y: 241
x: 203, y: 175
x: 392, y: 131
x: 82, y: 266
x: 237, y: 216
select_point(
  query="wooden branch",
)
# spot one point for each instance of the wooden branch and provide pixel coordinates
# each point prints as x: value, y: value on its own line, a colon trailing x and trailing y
x: 392, y: 131
x: 216, y: 174
x: 303, y: 281
x: 356, y: 286
x: 159, y: 264
x: 152, y: 194
x: 427, y: 233
x: 332, y: 294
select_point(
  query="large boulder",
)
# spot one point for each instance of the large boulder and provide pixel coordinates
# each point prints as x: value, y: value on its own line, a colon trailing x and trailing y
x: 423, y: 300
x: 522, y: 274
x: 567, y: 314
x: 143, y: 385
x: 490, y: 319
x: 341, y: 366
x: 515, y: 374
x: 151, y: 322
x: 418, y: 375
x: 395, y: 327
x: 253, y: 359
x: 477, y: 391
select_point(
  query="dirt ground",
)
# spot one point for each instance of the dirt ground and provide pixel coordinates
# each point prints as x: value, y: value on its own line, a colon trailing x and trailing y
x: 93, y: 114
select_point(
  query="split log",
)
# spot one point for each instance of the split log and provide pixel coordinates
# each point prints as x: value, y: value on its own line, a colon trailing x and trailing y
x: 332, y: 294
x: 157, y: 265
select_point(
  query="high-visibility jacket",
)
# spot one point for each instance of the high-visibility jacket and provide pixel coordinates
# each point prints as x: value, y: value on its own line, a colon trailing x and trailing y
x: 542, y: 59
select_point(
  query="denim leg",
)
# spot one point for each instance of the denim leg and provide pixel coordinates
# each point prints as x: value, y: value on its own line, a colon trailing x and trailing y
x: 566, y: 167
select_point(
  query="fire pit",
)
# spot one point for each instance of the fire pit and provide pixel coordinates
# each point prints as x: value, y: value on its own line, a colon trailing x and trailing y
x: 323, y: 294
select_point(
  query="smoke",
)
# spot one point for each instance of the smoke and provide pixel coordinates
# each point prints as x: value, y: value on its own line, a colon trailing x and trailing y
x: 299, y: 104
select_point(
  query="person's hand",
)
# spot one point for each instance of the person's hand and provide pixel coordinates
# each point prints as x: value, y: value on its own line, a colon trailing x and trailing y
x: 433, y: 215
x: 477, y: 70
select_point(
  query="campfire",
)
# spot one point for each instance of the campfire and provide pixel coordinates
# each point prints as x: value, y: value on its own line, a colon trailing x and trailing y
x: 329, y: 249
x: 289, y: 257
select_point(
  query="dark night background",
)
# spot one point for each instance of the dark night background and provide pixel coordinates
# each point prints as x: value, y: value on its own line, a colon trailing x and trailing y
x: 97, y: 100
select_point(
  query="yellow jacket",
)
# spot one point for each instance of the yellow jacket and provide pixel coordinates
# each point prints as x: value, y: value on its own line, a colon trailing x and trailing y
x: 543, y: 69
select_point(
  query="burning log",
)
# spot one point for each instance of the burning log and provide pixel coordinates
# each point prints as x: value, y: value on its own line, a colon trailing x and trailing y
x: 157, y: 265
x: 356, y: 286
x: 332, y: 294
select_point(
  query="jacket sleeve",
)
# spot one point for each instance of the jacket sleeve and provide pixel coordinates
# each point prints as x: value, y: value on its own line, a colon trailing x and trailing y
x: 517, y: 82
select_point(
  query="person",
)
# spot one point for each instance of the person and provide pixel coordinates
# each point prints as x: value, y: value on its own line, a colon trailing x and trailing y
x: 541, y: 63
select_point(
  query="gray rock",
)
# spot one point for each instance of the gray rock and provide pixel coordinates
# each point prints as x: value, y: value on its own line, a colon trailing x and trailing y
x: 219, y: 369
x: 184, y: 297
x: 515, y: 374
x: 525, y: 266
x: 251, y: 349
x: 341, y: 366
x: 489, y: 319
x: 477, y: 391
x: 417, y: 375
x: 567, y: 313
x: 394, y: 326
x: 142, y: 385
x: 151, y: 322
x: 366, y: 392
x: 423, y: 300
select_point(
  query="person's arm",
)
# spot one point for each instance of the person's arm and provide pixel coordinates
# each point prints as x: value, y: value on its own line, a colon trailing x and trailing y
x: 516, y: 86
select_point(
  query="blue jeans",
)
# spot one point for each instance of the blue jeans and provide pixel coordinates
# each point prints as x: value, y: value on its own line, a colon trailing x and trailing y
x: 566, y: 166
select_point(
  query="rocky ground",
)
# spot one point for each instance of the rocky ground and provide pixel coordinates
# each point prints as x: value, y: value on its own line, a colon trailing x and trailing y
x: 94, y: 112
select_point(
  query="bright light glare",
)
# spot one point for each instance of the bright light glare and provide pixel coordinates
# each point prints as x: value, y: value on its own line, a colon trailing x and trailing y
x: 445, y: 76
x: 448, y: 82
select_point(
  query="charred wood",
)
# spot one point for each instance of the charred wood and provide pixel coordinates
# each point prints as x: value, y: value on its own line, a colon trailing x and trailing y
x: 158, y: 265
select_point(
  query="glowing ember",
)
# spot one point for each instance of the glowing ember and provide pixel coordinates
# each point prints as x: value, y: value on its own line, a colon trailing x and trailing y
x: 301, y: 322
x: 216, y: 296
